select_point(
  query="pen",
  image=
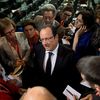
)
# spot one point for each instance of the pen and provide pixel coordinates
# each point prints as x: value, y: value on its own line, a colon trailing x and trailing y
x: 70, y: 92
x: 76, y: 98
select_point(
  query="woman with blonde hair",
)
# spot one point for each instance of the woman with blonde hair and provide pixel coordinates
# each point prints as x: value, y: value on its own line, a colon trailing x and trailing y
x: 14, y: 47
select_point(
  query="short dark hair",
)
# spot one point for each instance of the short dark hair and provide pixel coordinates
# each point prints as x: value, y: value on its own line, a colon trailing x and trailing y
x: 53, y: 28
x: 68, y: 8
x: 28, y: 22
x: 90, y: 68
x: 88, y: 18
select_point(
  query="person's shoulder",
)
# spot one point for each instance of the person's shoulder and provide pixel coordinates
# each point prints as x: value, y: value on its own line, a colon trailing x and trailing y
x: 2, y: 38
x: 65, y: 48
x: 56, y: 23
x: 20, y: 35
x: 38, y: 46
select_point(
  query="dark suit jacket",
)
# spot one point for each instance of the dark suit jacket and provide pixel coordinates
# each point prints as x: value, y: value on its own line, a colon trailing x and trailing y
x: 64, y: 72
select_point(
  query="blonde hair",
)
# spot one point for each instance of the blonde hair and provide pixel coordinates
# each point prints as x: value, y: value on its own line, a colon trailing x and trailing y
x: 7, y: 21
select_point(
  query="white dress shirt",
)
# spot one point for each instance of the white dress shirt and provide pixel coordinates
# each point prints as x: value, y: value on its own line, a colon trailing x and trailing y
x: 53, y: 58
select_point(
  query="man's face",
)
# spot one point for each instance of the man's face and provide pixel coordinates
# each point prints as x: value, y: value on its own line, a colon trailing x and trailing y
x: 48, y: 17
x: 49, y: 42
x: 79, y: 21
x: 29, y: 31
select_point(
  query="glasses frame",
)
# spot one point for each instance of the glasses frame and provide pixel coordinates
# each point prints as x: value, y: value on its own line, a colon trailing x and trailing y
x: 46, y: 39
x: 11, y: 31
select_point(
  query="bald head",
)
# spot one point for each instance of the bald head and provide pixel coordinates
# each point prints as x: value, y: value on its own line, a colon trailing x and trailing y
x: 38, y: 93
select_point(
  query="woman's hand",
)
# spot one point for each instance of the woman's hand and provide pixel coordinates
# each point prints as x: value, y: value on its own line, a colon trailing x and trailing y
x: 74, y: 98
x: 22, y: 91
x: 19, y: 62
x: 88, y: 97
x: 80, y: 31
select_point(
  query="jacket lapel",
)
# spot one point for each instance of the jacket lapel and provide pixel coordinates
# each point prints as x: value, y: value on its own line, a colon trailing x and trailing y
x: 58, y: 63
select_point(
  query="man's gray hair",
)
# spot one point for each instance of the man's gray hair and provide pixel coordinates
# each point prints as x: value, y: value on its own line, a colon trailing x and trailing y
x: 49, y: 7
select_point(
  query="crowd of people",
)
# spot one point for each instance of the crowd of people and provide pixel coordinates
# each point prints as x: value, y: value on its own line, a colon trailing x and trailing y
x: 51, y: 52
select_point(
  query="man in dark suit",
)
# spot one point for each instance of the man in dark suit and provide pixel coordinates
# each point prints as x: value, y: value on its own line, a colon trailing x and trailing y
x: 63, y: 71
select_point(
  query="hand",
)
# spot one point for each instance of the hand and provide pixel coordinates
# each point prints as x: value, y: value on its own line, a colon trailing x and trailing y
x: 21, y: 91
x: 88, y: 97
x: 81, y: 30
x: 74, y: 98
x: 19, y: 62
x: 97, y: 90
x: 71, y: 26
x: 12, y: 81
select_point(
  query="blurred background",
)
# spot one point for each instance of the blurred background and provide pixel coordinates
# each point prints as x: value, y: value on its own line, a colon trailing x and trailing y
x: 20, y: 10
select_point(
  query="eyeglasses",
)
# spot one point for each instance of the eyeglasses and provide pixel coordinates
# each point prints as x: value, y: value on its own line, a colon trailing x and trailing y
x: 46, y: 39
x: 11, y: 31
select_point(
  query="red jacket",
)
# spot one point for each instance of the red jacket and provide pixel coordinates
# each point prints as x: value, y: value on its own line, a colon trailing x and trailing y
x: 7, y: 91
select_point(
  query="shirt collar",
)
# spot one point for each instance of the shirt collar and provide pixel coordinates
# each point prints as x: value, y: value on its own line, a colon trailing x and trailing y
x: 54, y: 51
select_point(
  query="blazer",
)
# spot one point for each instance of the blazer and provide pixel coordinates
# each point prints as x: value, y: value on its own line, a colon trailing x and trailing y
x: 9, y: 55
x: 64, y: 72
